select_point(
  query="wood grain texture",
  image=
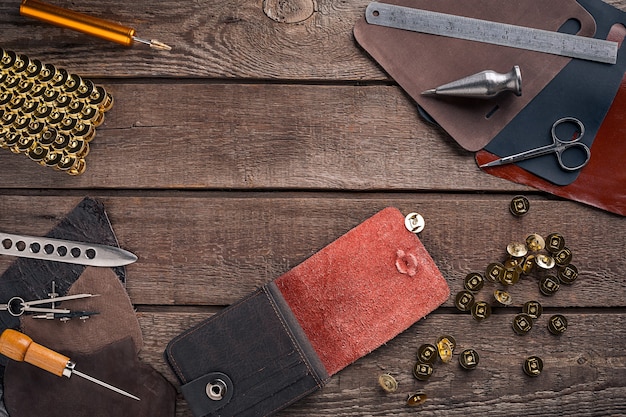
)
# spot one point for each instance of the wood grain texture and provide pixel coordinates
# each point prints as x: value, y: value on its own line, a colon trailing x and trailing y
x: 581, y: 376
x: 267, y: 133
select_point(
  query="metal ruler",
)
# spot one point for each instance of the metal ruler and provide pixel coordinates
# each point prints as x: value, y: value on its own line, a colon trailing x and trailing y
x: 503, y: 34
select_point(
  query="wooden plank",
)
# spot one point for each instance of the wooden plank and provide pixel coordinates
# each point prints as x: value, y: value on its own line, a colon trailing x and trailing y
x: 214, y: 248
x: 216, y: 39
x: 584, y: 368
x: 205, y: 135
x: 290, y: 40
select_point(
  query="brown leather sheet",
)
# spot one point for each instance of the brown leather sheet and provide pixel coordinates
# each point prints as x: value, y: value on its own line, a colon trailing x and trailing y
x: 419, y: 62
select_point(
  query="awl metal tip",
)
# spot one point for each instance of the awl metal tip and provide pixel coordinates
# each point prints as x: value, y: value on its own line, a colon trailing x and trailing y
x: 153, y: 43
x: 430, y: 92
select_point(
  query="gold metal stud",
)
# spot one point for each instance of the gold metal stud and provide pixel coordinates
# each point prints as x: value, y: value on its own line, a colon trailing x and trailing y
x: 388, y: 383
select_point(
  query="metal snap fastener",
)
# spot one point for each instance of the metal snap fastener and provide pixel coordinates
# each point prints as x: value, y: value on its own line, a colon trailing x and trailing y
x: 474, y: 282
x: 464, y: 300
x: 503, y: 297
x: 549, y: 285
x: 557, y: 324
x: 416, y: 399
x: 533, y: 366
x: 469, y: 359
x: 445, y: 347
x: 481, y: 310
x: 510, y: 277
x: 533, y: 309
x: 544, y: 261
x: 414, y: 222
x: 422, y: 371
x: 517, y: 249
x: 388, y: 383
x: 563, y: 257
x: 528, y: 265
x: 535, y: 242
x: 522, y: 323
x: 519, y: 205
x: 555, y: 242
x: 426, y: 353
x: 216, y: 389
x: 568, y: 274
x: 494, y: 272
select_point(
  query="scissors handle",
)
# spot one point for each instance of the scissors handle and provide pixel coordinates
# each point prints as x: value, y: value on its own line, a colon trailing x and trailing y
x: 561, y: 146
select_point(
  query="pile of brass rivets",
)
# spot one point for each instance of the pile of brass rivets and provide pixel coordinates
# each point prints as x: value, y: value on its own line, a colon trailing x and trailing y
x: 427, y: 355
x: 548, y: 258
x: 47, y: 113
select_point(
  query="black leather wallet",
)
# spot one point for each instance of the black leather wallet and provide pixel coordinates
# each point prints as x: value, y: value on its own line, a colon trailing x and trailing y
x: 290, y: 336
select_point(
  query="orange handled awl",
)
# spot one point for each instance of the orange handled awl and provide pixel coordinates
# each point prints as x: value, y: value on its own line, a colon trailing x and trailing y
x: 19, y: 347
x: 100, y: 28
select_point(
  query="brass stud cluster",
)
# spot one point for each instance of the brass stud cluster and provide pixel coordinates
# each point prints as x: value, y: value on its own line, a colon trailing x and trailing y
x: 47, y: 113
x: 427, y: 356
x: 547, y: 258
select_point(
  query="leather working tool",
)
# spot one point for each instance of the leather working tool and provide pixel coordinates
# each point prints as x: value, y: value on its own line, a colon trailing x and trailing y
x: 21, y: 348
x: 17, y: 306
x: 67, y: 251
x: 485, y: 84
x: 558, y: 147
x: 89, y: 25
x: 419, y: 61
x: 496, y: 33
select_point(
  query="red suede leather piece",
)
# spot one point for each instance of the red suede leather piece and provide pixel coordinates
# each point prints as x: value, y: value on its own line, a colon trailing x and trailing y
x: 363, y: 289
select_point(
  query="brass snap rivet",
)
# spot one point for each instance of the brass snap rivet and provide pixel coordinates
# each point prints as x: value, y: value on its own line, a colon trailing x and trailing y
x: 388, y: 383
x: 522, y: 323
x: 422, y: 371
x: 533, y: 309
x: 519, y: 205
x: 563, y: 257
x: 517, y: 249
x: 414, y: 222
x: 544, y: 261
x: 416, y: 399
x: 481, y: 310
x: 528, y: 264
x: 510, y: 277
x: 535, y: 242
x: 502, y: 297
x: 495, y: 272
x: 568, y: 274
x: 557, y: 324
x: 555, y: 242
x: 426, y: 353
x: 464, y: 300
x: 469, y: 359
x: 549, y: 285
x: 533, y: 366
x: 445, y: 347
x: 474, y: 282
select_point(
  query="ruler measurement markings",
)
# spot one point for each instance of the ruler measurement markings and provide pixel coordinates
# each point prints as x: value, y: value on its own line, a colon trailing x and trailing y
x: 491, y: 32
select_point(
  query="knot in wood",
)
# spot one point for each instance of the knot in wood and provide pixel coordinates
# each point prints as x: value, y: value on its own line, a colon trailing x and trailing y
x: 288, y: 11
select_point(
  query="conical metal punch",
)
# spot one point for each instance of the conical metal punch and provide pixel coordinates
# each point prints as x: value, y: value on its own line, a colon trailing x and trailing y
x: 485, y: 84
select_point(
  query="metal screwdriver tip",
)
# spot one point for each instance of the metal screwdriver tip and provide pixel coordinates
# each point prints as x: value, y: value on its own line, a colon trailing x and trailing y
x: 430, y: 92
x: 153, y: 43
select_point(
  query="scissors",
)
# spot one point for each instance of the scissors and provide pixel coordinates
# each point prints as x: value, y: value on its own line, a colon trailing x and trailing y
x: 558, y: 147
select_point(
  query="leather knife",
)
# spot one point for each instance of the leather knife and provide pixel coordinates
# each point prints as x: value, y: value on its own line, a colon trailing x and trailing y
x: 61, y: 250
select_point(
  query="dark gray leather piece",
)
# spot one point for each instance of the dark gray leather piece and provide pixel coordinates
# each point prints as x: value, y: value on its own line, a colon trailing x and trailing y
x: 583, y: 89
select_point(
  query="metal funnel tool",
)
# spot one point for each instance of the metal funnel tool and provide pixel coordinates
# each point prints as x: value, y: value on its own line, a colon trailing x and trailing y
x: 485, y: 84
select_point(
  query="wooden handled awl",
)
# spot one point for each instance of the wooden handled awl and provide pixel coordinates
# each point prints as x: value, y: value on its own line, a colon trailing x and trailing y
x: 21, y: 348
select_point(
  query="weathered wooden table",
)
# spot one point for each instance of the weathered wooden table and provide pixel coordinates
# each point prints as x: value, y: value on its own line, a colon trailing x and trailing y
x: 265, y: 134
